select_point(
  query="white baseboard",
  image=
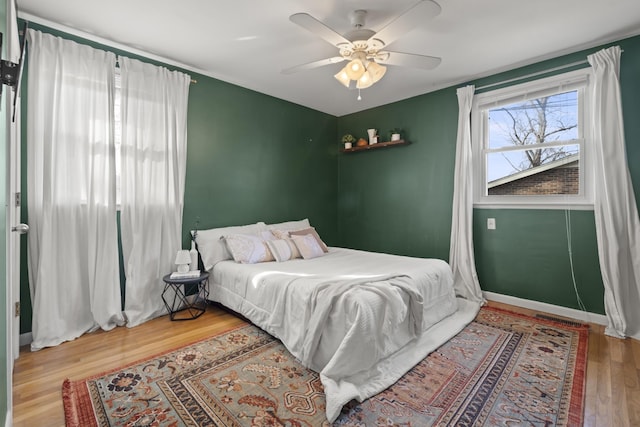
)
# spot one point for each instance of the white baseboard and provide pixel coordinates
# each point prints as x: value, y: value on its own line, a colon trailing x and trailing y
x: 583, y: 316
x: 25, y: 339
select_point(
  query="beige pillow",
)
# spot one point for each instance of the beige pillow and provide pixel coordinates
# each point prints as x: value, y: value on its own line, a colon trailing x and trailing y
x: 248, y: 249
x: 283, y: 249
x: 308, y: 246
x: 284, y: 235
x: 314, y: 233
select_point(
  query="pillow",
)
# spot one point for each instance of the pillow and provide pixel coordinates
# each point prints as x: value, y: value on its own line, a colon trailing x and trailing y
x: 248, y: 249
x: 284, y: 235
x: 213, y: 250
x: 312, y: 231
x: 308, y: 246
x: 267, y: 235
x: 290, y: 225
x: 279, y: 234
x: 281, y: 249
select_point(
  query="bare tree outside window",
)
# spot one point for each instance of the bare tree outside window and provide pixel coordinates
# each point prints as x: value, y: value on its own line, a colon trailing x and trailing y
x: 530, y: 138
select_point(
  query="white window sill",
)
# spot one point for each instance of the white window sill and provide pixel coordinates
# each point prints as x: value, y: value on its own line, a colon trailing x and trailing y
x: 539, y: 206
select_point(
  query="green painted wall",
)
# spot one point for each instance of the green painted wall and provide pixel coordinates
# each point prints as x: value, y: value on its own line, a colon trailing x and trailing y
x: 399, y: 199
x: 250, y: 157
x: 527, y: 256
x: 256, y: 158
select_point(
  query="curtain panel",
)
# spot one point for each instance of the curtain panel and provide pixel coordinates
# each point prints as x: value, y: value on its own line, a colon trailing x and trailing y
x: 615, y: 209
x: 72, y: 246
x: 154, y: 142
x: 72, y: 185
x: 461, y: 253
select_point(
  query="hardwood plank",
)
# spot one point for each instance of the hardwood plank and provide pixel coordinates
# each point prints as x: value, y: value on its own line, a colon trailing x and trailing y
x: 632, y: 383
x: 619, y: 412
x: 591, y: 389
x: 616, y: 347
x: 38, y: 375
x: 635, y: 345
x: 603, y: 401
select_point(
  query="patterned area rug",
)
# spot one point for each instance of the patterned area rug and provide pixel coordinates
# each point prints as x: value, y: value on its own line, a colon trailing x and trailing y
x: 503, y: 369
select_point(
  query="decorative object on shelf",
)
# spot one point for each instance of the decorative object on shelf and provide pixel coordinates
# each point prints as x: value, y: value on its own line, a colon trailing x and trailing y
x: 348, y: 141
x: 394, y: 134
x: 373, y: 139
x: 361, y: 142
x: 397, y: 143
x: 183, y: 259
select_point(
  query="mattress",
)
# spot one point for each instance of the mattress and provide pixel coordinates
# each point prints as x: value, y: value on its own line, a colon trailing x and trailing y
x: 360, y: 319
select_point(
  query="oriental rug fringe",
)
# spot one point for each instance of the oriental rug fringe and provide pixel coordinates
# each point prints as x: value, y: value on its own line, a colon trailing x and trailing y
x: 502, y: 369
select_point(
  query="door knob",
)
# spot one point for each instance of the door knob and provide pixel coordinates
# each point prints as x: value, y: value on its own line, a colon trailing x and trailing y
x: 21, y: 228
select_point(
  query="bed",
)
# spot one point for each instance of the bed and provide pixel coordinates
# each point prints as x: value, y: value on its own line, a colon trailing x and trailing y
x: 360, y: 319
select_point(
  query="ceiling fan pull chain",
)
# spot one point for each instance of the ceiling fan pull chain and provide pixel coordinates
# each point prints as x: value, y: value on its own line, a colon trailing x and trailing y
x: 359, y: 97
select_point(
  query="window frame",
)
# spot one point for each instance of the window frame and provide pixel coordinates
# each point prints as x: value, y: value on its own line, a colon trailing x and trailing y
x: 574, y: 80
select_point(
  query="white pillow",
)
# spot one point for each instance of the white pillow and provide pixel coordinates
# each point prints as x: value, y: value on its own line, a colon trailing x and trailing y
x: 308, y: 246
x: 213, y: 250
x: 248, y: 249
x: 290, y: 225
x: 283, y: 249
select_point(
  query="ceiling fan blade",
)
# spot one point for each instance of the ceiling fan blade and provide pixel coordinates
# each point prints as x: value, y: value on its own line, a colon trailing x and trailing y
x: 408, y: 60
x: 424, y: 10
x: 314, y: 64
x: 310, y: 23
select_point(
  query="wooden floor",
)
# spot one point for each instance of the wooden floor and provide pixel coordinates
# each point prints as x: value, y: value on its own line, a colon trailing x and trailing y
x: 612, y: 391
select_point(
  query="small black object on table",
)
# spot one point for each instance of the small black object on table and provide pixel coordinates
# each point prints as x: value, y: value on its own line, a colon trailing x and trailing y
x: 189, y: 296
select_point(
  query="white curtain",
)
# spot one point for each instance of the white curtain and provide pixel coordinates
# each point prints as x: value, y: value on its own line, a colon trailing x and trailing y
x: 73, y: 254
x: 461, y: 255
x: 615, y: 210
x: 154, y: 138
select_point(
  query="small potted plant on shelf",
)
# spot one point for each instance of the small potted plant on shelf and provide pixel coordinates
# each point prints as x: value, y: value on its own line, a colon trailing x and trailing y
x: 394, y: 134
x: 348, y: 141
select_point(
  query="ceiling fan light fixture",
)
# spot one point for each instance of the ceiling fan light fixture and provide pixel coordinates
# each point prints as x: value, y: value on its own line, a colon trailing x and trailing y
x: 376, y: 71
x: 343, y: 77
x: 355, y: 69
x: 365, y: 81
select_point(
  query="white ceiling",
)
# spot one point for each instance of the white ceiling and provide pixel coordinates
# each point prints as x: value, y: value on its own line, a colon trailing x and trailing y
x: 249, y: 42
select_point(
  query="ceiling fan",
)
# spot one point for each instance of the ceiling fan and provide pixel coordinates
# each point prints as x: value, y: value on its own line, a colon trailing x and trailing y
x: 366, y: 49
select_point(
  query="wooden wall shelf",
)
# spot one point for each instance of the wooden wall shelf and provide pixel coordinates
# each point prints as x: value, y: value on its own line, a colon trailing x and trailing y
x: 375, y: 146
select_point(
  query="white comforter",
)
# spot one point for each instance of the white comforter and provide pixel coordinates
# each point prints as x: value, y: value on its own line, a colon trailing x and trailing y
x: 355, y: 317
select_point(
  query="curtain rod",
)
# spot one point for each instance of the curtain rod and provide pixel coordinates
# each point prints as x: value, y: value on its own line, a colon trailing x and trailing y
x: 550, y: 70
x: 193, y: 81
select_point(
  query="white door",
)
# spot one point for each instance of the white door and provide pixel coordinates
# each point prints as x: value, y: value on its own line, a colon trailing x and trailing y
x: 15, y: 229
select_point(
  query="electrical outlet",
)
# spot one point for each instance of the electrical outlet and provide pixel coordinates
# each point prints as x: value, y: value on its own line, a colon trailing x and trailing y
x: 491, y: 223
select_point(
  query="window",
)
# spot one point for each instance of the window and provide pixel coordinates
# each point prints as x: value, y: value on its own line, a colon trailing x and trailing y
x: 117, y: 132
x: 531, y: 144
